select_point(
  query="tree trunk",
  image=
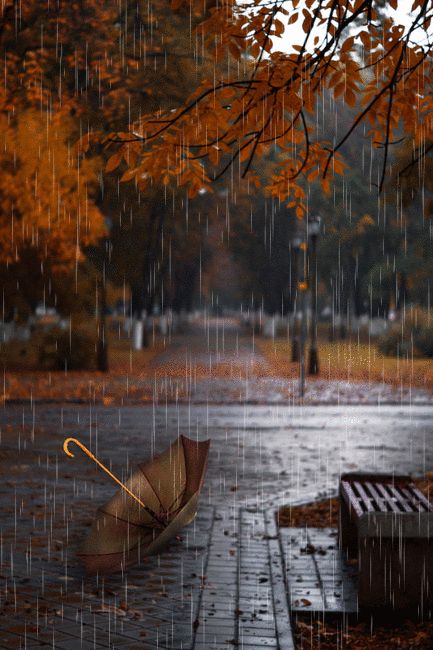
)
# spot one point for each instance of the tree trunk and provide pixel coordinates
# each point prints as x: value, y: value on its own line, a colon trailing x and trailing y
x: 102, y: 352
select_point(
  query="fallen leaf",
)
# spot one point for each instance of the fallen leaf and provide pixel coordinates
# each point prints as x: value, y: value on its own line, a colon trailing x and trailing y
x: 108, y: 609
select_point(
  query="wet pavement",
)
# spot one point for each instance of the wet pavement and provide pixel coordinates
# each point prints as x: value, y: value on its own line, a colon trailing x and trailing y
x: 261, y: 456
x: 222, y: 585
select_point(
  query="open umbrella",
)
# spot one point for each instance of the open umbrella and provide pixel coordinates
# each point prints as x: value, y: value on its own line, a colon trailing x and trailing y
x: 152, y: 507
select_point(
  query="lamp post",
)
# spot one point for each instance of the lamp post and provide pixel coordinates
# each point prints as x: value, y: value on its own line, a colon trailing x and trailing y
x: 296, y: 243
x: 313, y: 231
x: 101, y: 349
x: 303, y: 288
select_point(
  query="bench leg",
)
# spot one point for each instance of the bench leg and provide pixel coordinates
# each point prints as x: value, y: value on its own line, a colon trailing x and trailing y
x: 396, y: 575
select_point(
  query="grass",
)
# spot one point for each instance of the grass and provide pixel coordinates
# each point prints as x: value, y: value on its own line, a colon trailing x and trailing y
x: 351, y: 361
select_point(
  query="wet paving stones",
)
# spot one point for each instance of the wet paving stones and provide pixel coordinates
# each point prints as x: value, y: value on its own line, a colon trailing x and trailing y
x: 240, y: 588
x: 224, y: 583
x: 318, y: 579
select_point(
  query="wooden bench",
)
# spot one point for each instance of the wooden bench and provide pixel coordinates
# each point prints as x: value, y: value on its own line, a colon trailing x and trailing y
x: 387, y: 524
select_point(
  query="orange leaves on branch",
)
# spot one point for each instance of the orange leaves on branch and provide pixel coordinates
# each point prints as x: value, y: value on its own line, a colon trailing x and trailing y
x: 47, y: 191
x: 267, y: 98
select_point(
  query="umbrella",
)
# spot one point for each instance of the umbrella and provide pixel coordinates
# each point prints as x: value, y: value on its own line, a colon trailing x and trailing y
x: 152, y: 507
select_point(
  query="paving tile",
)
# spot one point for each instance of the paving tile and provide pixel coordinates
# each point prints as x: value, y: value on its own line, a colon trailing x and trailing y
x: 320, y: 582
x: 214, y: 645
x: 262, y: 631
x: 77, y: 644
x: 211, y: 627
x: 258, y: 641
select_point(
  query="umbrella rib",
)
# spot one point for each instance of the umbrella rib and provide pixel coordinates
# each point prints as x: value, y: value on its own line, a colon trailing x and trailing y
x: 153, y: 489
x: 178, y: 498
x: 66, y: 444
x: 127, y: 521
x: 157, y: 496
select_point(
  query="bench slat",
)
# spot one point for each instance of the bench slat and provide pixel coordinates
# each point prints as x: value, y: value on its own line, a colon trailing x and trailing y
x: 388, y: 497
x: 401, y: 499
x: 380, y: 501
x: 365, y: 498
x: 370, y: 496
x: 351, y: 498
x: 416, y: 497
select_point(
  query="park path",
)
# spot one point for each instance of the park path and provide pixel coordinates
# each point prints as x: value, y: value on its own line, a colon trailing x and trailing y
x: 213, y: 361
x: 222, y: 586
x: 212, y: 347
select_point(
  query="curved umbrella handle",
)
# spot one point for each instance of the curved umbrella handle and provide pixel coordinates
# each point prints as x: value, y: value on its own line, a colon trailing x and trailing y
x: 79, y: 444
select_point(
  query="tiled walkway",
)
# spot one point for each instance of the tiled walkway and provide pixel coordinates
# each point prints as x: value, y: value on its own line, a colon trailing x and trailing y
x: 244, y: 603
x: 318, y: 580
x: 224, y: 584
x: 221, y: 587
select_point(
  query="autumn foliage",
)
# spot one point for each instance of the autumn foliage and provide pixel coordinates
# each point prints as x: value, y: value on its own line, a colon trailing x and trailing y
x: 46, y: 191
x: 70, y: 68
x: 177, y: 96
x: 268, y: 97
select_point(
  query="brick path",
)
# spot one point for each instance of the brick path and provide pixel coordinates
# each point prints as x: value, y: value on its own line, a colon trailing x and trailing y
x: 223, y: 584
x: 244, y: 578
x: 319, y: 581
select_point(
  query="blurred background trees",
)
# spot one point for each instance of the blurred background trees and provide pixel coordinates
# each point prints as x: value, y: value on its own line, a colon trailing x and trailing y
x: 70, y: 228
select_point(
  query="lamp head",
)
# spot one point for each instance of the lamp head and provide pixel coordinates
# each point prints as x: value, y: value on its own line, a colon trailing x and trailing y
x: 314, y: 225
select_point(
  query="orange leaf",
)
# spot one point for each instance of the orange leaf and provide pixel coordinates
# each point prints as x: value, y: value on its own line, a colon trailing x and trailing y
x: 350, y: 97
x: 299, y: 212
x: 114, y: 161
x: 348, y: 44
x: 306, y: 23
x: 128, y: 175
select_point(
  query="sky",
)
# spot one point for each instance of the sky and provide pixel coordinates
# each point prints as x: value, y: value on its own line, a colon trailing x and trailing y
x: 294, y: 34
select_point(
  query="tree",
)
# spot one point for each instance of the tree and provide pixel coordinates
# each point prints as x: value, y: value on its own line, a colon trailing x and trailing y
x: 262, y: 230
x: 347, y: 46
x: 91, y: 73
x: 47, y: 213
x: 373, y: 251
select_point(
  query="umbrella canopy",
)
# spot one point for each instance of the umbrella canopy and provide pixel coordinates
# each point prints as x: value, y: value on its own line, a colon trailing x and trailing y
x: 166, y: 490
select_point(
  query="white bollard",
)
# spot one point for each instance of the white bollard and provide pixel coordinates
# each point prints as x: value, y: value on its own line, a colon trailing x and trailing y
x: 269, y: 327
x: 137, y: 334
x: 163, y: 325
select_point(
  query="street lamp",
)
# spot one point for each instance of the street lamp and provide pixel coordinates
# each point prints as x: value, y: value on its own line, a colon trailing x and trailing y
x: 101, y: 349
x: 296, y: 243
x: 313, y: 232
x: 303, y: 288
